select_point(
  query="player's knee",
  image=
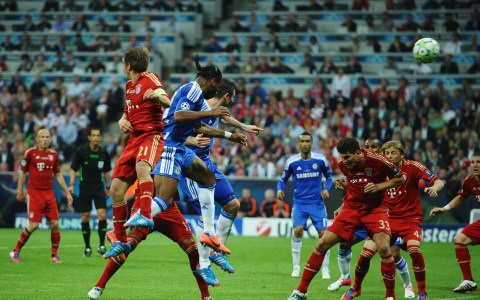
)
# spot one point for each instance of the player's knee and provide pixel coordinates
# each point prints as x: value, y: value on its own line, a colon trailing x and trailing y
x: 187, y: 243
x: 232, y: 206
x: 460, y: 239
x: 384, y: 249
x: 54, y: 226
x: 298, y: 232
x: 85, y: 217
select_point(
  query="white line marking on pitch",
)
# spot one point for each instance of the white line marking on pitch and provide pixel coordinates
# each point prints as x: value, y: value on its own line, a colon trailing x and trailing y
x: 46, y: 246
x: 465, y: 297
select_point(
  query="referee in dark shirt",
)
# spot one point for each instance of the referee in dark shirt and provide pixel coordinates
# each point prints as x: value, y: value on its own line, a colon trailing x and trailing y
x: 91, y: 161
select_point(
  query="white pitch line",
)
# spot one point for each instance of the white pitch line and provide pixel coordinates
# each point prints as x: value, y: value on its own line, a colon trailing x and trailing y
x: 465, y: 297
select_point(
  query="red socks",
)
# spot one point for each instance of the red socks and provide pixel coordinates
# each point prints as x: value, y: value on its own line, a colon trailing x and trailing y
x: 463, y: 259
x: 22, y: 240
x: 363, y: 265
x: 418, y: 265
x: 311, y: 269
x: 55, y: 237
x: 146, y: 193
x: 388, y: 274
x: 112, y: 266
x: 192, y: 252
x: 119, y: 218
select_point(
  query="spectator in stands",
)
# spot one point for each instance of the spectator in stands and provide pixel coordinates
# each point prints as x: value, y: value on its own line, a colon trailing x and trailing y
x: 253, y: 24
x: 328, y: 4
x: 51, y: 5
x: 61, y: 45
x: 328, y: 66
x: 431, y: 4
x: 171, y: 25
x: 248, y: 205
x: 428, y: 24
x: 249, y: 66
x: 453, y: 46
x: 43, y: 46
x: 152, y: 46
x: 115, y: 66
x: 450, y: 24
x: 10, y: 5
x: 374, y: 44
x: 44, y: 24
x: 195, y: 6
x: 37, y: 86
x: 6, y: 156
x: 274, y: 208
x: 233, y: 45
x: 16, y: 82
x: 251, y: 45
x: 398, y: 46
x: 410, y: 25
x: 259, y: 90
x: 185, y: 66
x: 474, y: 23
x: 173, y: 5
x: 475, y: 67
x: 266, y: 168
x: 103, y: 5
x: 70, y: 62
x: 70, y: 5
x: 349, y: 24
x: 308, y: 63
x: 293, y: 46
x: 236, y: 26
x: 353, y: 66
x: 3, y: 68
x: 272, y: 25
x: 309, y: 25
x: 449, y: 66
x: 26, y: 26
x: 8, y: 45
x: 95, y: 66
x: 312, y: 6
x: 58, y: 65
x: 360, y: 5
x: 80, y: 24
x: 212, y: 45
x: 279, y: 6
x: 272, y: 45
x: 80, y: 44
x: 341, y: 82
x: 292, y: 25
x: 387, y: 22
x: 148, y: 27
x: 76, y: 88
x: 122, y: 26
x: 25, y: 43
x: 26, y: 65
x: 115, y: 100
x: 418, y: 68
x: 60, y: 25
x: 232, y: 67
x: 280, y: 68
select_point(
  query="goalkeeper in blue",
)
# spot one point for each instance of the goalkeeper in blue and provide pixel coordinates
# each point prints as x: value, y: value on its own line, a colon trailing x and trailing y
x: 306, y: 168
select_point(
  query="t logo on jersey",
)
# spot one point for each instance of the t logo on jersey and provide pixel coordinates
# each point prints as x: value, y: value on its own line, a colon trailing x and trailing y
x: 40, y: 166
x: 129, y: 104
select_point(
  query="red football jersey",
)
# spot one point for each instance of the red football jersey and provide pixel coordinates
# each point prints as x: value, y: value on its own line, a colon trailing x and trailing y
x: 375, y: 168
x: 144, y: 115
x: 403, y: 201
x: 471, y: 185
x: 41, y: 166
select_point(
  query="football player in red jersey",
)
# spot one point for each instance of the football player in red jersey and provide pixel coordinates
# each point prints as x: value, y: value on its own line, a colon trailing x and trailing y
x: 142, y: 118
x: 366, y: 173
x: 42, y: 165
x: 470, y: 235
x: 405, y: 214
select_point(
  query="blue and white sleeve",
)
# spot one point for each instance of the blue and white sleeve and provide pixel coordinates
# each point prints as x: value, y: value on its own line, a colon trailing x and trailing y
x: 328, y: 176
x: 285, y: 176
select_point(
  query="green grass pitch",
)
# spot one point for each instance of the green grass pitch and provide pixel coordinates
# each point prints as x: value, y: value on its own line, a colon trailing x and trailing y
x: 158, y: 269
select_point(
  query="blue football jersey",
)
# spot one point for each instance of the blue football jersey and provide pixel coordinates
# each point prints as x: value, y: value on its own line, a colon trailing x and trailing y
x: 204, y: 153
x: 307, y: 177
x: 188, y: 97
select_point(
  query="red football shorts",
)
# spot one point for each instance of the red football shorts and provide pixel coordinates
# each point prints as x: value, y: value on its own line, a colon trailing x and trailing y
x: 349, y: 220
x: 406, y: 229
x: 147, y: 147
x: 40, y: 203
x: 473, y: 232
x: 170, y: 223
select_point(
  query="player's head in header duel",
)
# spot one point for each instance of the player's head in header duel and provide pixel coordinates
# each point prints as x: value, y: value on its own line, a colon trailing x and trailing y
x: 135, y: 60
x: 350, y: 152
x: 373, y: 144
x: 208, y: 77
x: 394, y: 150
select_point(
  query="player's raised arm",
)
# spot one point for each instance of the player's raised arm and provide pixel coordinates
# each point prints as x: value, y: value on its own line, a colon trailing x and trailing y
x: 199, y: 140
x: 185, y: 115
x: 229, y: 120
x: 222, y: 134
x: 457, y: 201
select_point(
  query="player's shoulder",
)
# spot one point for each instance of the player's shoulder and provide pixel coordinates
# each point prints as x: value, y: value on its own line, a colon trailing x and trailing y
x: 470, y: 180
x: 376, y: 157
x: 413, y: 164
x: 52, y: 152
x: 29, y: 151
x: 318, y: 156
x: 192, y: 91
x: 292, y: 159
x: 152, y: 77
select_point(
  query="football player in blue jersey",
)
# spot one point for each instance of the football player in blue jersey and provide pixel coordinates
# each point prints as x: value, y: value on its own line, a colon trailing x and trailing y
x: 307, y: 169
x: 345, y: 249
x: 224, y: 194
x: 182, y: 119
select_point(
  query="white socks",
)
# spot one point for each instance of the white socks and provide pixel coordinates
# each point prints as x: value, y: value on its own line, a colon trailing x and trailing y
x: 203, y: 252
x: 224, y: 225
x: 296, y: 249
x: 402, y: 270
x: 344, y: 258
x: 207, y: 205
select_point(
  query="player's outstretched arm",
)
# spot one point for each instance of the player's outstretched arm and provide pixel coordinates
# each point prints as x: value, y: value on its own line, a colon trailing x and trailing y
x: 199, y: 140
x: 229, y: 120
x: 188, y: 116
x: 435, y: 188
x: 159, y: 96
x: 63, y: 186
x: 457, y: 201
x: 217, y: 133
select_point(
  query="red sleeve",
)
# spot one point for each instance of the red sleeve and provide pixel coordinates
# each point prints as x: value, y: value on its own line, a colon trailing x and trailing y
x: 26, y: 160
x: 153, y: 81
x: 56, y: 167
x: 424, y: 173
x: 466, y: 189
x: 390, y: 169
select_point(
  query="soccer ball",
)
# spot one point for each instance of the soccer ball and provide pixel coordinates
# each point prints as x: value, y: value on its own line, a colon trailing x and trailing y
x: 426, y: 50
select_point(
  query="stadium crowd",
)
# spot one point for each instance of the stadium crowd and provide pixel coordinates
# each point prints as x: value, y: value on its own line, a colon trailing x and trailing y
x: 439, y: 126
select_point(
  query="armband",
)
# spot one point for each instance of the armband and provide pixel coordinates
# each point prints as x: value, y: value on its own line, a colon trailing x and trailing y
x: 447, y: 207
x: 228, y: 135
x: 159, y: 92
